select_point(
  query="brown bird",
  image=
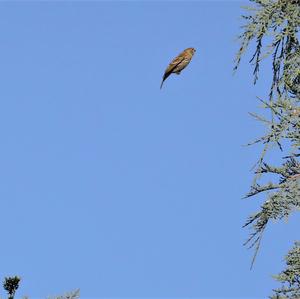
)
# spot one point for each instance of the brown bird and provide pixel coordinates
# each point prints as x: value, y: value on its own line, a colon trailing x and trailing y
x: 178, y: 63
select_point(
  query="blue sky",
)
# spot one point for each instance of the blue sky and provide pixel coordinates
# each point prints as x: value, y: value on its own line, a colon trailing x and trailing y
x: 113, y: 186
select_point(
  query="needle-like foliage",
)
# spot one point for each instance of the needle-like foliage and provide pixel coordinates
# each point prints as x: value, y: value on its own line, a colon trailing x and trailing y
x: 273, y: 26
x: 10, y: 285
x: 290, y: 277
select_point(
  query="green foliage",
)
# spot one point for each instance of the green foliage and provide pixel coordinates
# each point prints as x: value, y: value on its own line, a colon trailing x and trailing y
x: 10, y: 285
x: 273, y: 26
x: 70, y: 295
x: 290, y: 277
x: 278, y: 22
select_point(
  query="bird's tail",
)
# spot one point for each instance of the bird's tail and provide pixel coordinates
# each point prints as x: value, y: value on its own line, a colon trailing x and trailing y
x: 166, y: 75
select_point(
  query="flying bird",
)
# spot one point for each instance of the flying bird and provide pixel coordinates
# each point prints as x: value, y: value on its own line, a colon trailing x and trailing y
x: 178, y: 64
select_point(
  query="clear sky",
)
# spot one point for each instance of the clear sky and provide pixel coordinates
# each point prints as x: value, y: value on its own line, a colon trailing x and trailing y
x: 113, y: 186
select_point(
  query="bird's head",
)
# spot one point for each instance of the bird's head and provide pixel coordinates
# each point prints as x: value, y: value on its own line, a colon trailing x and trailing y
x: 191, y: 50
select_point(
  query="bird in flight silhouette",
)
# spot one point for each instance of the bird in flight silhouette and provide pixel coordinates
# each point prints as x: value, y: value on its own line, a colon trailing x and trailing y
x: 178, y: 64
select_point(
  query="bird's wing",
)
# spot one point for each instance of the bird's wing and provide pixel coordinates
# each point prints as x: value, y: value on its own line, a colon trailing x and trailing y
x: 175, y: 62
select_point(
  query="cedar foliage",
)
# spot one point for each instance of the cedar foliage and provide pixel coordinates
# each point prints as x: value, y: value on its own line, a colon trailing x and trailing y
x: 11, y: 284
x: 273, y: 27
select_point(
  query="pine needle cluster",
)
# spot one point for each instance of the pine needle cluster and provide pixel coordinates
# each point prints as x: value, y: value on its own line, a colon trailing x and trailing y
x: 11, y: 284
x: 290, y: 277
x: 273, y: 27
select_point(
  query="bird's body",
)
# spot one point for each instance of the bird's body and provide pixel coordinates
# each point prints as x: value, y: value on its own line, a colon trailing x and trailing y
x: 178, y: 63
